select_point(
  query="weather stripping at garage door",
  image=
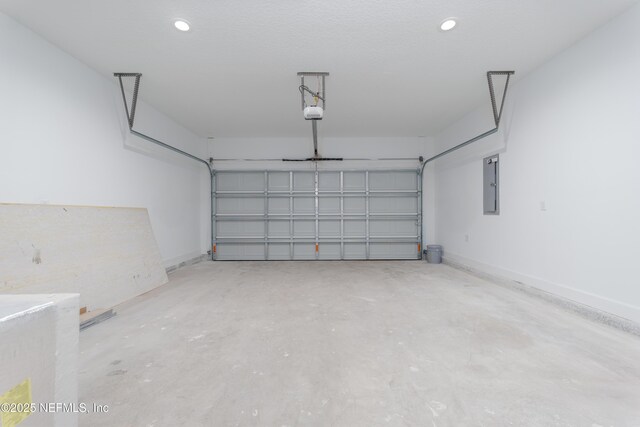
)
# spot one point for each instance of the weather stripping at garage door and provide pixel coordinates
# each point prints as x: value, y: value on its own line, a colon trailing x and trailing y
x: 317, y: 215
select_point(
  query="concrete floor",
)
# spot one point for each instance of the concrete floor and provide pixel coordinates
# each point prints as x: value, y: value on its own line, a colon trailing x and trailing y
x: 353, y: 344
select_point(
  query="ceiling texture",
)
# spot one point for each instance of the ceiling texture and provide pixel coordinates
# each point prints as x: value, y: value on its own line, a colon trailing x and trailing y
x: 393, y: 72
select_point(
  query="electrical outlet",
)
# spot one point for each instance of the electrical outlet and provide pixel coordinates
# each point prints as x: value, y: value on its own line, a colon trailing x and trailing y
x: 467, y: 237
x: 543, y: 206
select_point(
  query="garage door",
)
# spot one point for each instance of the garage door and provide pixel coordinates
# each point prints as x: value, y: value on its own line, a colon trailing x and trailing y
x: 317, y: 215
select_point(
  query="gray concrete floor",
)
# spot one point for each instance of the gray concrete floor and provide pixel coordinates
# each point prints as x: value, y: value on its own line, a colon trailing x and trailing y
x: 353, y: 344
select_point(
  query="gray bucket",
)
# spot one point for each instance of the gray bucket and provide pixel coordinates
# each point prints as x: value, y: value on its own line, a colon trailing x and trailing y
x: 434, y: 254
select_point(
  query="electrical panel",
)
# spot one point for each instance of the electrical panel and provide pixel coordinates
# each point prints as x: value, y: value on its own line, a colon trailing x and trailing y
x: 491, y: 189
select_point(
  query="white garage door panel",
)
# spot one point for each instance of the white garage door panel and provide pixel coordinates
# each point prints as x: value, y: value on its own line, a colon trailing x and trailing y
x: 393, y: 251
x: 324, y: 215
x: 242, y: 251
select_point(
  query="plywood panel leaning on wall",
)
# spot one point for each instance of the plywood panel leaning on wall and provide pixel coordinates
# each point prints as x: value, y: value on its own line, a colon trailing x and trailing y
x: 107, y: 255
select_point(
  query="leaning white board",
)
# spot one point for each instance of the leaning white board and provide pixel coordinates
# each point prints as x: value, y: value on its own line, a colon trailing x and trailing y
x: 39, y: 358
x: 107, y: 255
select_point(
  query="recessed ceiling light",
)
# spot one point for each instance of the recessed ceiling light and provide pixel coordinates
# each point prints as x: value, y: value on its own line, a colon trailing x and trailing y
x: 448, y: 24
x: 181, y: 25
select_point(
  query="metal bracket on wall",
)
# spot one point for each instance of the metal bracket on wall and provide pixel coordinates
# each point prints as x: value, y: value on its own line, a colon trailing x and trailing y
x: 497, y: 114
x: 131, y: 115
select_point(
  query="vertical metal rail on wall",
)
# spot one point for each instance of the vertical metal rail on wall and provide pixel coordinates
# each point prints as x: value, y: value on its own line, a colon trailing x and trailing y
x: 497, y: 117
x: 131, y: 114
x: 266, y: 215
x: 419, y: 220
x: 341, y: 214
x: 291, y: 248
x: 367, y: 214
x: 317, y: 214
x: 214, y: 208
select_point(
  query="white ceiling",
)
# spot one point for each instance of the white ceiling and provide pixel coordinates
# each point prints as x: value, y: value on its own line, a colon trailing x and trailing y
x: 393, y: 73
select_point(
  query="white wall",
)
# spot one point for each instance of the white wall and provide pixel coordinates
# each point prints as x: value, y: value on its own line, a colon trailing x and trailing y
x: 300, y: 148
x: 570, y: 140
x: 64, y: 140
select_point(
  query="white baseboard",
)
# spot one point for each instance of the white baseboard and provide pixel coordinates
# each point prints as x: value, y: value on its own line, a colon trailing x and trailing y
x: 615, y: 313
x: 190, y: 261
x: 173, y: 262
